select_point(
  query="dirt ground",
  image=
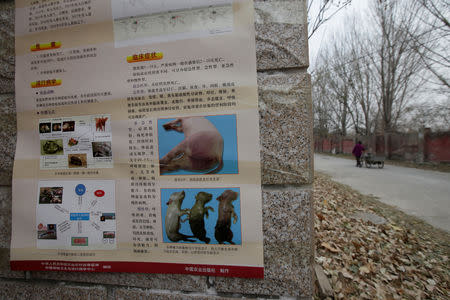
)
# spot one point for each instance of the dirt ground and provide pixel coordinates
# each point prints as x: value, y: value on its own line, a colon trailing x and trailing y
x: 404, y: 258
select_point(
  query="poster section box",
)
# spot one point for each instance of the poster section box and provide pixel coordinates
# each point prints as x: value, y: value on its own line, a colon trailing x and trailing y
x: 154, y: 168
x: 74, y: 214
x: 76, y: 142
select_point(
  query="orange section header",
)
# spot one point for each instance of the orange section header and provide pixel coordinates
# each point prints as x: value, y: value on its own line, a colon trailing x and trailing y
x: 145, y: 57
x: 46, y: 46
x: 46, y: 83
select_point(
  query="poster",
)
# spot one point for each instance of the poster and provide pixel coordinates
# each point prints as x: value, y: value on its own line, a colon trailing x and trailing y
x: 138, y: 138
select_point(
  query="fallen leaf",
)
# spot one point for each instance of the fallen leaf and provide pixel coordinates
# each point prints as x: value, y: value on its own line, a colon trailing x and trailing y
x: 329, y: 247
x: 364, y: 270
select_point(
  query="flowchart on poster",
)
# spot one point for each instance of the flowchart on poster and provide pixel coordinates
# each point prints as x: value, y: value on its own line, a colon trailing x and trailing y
x: 76, y: 215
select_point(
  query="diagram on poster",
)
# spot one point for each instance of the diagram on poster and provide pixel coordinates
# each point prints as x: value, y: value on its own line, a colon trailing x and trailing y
x: 76, y: 215
x: 76, y: 142
x: 150, y: 24
x: 128, y: 8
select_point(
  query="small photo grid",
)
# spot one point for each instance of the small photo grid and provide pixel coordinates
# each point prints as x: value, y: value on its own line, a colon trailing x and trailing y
x: 76, y: 142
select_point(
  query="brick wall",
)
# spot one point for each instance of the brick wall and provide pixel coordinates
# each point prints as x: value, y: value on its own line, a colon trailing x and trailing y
x: 437, y: 147
x: 424, y: 146
x: 286, y: 152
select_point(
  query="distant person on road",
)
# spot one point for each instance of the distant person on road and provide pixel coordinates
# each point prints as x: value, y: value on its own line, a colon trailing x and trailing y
x: 357, y: 152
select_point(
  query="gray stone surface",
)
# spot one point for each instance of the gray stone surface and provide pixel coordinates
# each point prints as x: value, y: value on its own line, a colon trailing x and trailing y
x: 5, y: 216
x: 154, y: 281
x: 5, y: 234
x: 7, y: 104
x: 125, y: 294
x: 5, y: 199
x: 7, y: 47
x: 8, y: 130
x: 35, y: 290
x: 285, y: 127
x: 5, y: 269
x: 288, y: 247
x: 5, y: 223
x: 281, y: 34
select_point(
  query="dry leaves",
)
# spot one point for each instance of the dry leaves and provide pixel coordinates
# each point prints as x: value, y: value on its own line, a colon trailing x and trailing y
x: 362, y: 260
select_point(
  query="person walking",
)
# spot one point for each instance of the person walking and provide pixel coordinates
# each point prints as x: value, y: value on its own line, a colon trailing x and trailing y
x: 357, y: 152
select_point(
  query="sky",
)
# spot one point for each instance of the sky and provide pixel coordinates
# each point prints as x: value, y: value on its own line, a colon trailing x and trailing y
x: 340, y: 23
x: 334, y: 25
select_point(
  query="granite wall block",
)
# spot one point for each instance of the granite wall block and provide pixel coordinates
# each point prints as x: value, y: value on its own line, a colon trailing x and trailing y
x: 8, y: 131
x: 187, y: 283
x: 36, y: 290
x: 286, y: 124
x: 7, y: 47
x: 5, y: 216
x: 281, y: 34
x: 288, y: 247
x: 5, y: 234
x: 124, y: 294
x: 5, y: 269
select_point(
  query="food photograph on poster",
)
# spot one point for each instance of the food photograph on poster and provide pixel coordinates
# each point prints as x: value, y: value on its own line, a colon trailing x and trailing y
x: 50, y: 195
x: 56, y: 127
x: 101, y: 149
x: 44, y: 127
x: 47, y: 232
x: 198, y: 145
x: 78, y: 160
x: 201, y: 216
x: 52, y: 147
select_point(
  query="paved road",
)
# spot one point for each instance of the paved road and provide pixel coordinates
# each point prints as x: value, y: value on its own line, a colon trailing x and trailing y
x: 425, y: 194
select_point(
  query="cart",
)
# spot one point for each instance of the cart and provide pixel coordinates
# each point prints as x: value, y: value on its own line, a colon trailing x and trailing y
x: 372, y: 160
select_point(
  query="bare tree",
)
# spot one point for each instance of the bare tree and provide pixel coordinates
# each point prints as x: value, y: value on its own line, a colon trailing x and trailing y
x: 321, y: 106
x: 345, y: 77
x: 330, y: 81
x: 434, y: 41
x: 320, y: 11
x: 432, y: 115
x: 361, y: 80
x: 368, y: 77
x: 395, y: 57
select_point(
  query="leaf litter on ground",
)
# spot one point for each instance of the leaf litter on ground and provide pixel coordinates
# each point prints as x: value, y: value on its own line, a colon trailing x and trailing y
x: 404, y: 258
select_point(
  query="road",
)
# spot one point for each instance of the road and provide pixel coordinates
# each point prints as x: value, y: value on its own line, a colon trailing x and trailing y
x: 421, y: 193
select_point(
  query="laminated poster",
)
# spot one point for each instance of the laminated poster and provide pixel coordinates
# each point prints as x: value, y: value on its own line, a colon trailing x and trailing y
x: 138, y: 138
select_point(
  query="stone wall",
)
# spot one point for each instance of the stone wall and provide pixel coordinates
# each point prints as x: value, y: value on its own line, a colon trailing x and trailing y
x: 286, y: 152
